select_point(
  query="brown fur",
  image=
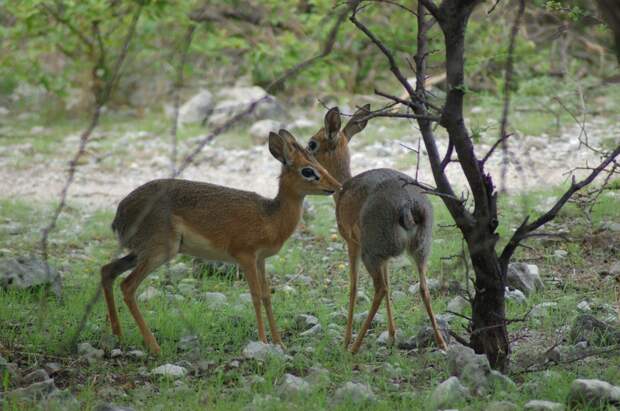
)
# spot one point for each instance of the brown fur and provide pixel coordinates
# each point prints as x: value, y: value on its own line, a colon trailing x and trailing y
x: 164, y: 217
x: 380, y: 214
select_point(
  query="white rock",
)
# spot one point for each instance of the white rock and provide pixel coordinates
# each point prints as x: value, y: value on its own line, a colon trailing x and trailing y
x: 148, y: 294
x: 197, y: 108
x: 170, y: 370
x: 305, y: 321
x: 594, y: 392
x: 560, y: 253
x: 4, y: 111
x: 293, y: 385
x: 245, y: 298
x: 315, y: 330
x: 115, y: 353
x: 355, y: 393
x: 215, y: 300
x: 384, y: 338
x: 259, y: 131
x: 540, y: 405
x: 541, y: 310
x: 449, y: 393
x: 260, y: 351
x: 515, y: 295
x: 584, y: 306
x: 458, y: 305
x: 431, y: 283
x: 524, y: 277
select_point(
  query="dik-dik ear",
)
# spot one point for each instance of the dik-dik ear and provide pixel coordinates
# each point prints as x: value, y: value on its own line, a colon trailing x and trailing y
x: 280, y: 148
x: 354, y: 125
x: 332, y: 123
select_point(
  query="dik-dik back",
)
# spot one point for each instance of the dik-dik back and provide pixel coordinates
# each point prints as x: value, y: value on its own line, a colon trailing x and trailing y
x: 388, y: 212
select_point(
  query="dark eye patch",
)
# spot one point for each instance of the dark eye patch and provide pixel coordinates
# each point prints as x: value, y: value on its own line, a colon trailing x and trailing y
x: 307, y: 172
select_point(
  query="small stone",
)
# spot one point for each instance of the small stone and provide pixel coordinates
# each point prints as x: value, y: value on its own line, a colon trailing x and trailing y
x: 51, y: 367
x: 188, y: 343
x: 362, y: 298
x: 501, y: 406
x: 287, y: 289
x: 354, y: 393
x: 542, y: 310
x: 560, y: 253
x: 431, y: 283
x: 318, y: 376
x: 260, y: 351
x: 35, y: 376
x: 449, y: 394
x: 292, y: 386
x: 384, y: 338
x: 315, y: 330
x: 33, y: 392
x: 359, y: 318
x: 215, y: 300
x: 584, y: 307
x: 425, y: 337
x: 515, y: 295
x: 111, y: 407
x: 245, y: 298
x: 259, y: 131
x: 136, y: 354
x: 524, y: 277
x: 169, y: 370
x: 593, y: 393
x: 305, y: 321
x: 458, y: 305
x: 115, y: 353
x: 149, y: 294
x: 89, y: 353
x: 540, y: 405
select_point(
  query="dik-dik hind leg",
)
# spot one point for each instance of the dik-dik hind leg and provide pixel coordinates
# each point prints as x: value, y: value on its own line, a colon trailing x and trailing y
x: 388, y: 304
x: 248, y: 265
x: 354, y: 252
x: 146, y: 265
x: 109, y: 272
x: 266, y: 299
x: 375, y: 271
x: 426, y: 297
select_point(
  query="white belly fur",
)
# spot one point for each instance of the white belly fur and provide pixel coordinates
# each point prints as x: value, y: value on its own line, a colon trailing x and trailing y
x: 196, y: 245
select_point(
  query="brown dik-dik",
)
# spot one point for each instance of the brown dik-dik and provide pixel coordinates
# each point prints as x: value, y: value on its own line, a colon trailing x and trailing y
x: 165, y: 217
x: 380, y: 214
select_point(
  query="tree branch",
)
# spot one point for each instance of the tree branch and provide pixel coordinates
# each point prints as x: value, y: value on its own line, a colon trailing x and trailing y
x: 524, y: 229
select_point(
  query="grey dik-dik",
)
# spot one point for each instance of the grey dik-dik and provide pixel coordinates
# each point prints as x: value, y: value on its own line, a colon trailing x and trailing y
x: 381, y: 214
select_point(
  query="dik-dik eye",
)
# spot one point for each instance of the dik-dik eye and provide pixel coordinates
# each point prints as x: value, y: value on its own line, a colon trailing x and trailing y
x: 313, y: 146
x: 309, y: 174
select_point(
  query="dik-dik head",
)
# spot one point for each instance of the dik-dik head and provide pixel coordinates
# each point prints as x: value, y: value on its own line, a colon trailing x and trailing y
x: 301, y: 173
x: 330, y: 145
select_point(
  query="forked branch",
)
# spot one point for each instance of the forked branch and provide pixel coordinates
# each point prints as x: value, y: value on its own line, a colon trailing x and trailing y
x: 526, y: 228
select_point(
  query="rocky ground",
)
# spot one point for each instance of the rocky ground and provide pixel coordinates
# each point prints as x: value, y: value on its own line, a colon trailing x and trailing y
x: 116, y: 161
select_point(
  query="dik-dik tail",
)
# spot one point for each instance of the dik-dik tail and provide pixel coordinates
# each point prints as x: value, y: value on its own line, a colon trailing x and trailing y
x: 410, y: 216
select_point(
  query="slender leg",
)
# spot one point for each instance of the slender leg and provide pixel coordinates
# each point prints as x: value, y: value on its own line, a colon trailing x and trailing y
x: 354, y: 250
x: 109, y: 272
x: 248, y: 264
x: 129, y: 287
x: 388, y: 304
x: 426, y: 297
x: 266, y: 300
x: 376, y: 275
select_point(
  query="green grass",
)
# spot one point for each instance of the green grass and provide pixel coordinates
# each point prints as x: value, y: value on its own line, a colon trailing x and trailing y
x: 35, y: 329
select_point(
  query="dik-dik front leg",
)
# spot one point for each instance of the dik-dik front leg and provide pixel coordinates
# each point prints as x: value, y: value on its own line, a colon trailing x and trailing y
x: 354, y: 252
x: 248, y: 264
x: 266, y: 300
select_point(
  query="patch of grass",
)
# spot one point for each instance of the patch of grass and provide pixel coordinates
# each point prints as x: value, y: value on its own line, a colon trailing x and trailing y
x: 34, y: 329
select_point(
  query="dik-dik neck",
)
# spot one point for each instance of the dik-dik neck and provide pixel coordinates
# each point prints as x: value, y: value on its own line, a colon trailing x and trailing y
x: 286, y: 208
x: 340, y: 168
